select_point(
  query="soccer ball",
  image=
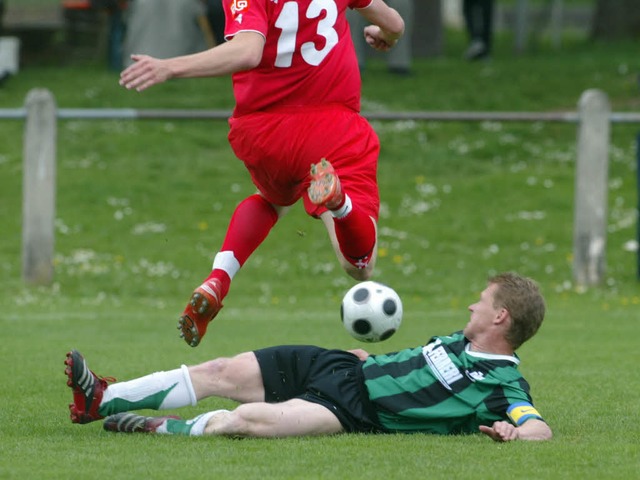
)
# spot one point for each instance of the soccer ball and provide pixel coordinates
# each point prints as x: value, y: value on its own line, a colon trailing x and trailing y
x: 371, y: 312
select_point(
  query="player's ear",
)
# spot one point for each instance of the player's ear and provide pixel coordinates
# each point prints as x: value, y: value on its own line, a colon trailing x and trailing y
x: 502, y: 316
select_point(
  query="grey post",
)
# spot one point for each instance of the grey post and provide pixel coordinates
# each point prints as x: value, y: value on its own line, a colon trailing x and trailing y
x: 592, y: 166
x: 39, y: 178
x: 521, y: 25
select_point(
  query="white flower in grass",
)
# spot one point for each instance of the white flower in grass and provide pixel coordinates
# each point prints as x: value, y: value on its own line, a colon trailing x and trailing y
x: 325, y: 268
x: 616, y: 183
x: 491, y: 250
x: 426, y: 189
x: 117, y: 202
x: 518, y: 167
x: 527, y: 216
x: 623, y: 220
x: 154, y: 269
x: 508, y: 139
x: 460, y: 146
x: 148, y: 227
x: 390, y: 232
x: 631, y: 246
x: 385, y: 211
x: 488, y: 126
x: 403, y: 125
x: 61, y: 227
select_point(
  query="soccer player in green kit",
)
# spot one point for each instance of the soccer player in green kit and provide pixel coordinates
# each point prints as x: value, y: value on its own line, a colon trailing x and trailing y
x: 460, y: 383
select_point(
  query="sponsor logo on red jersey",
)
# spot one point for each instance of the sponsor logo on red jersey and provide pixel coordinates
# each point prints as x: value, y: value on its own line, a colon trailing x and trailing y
x: 239, y: 6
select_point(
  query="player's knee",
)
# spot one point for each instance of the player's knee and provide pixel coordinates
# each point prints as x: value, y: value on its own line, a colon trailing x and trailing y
x: 217, y: 367
x: 358, y: 273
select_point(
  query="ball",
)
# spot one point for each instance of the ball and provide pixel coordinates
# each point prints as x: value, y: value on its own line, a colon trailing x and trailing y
x: 371, y: 311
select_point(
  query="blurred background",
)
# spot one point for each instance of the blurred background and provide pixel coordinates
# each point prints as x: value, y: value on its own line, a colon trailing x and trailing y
x: 60, y: 31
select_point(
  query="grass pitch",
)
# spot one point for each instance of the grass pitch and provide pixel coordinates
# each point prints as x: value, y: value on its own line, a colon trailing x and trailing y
x: 142, y: 207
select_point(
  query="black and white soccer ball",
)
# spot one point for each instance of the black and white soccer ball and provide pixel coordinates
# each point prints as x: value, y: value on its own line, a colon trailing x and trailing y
x: 371, y: 312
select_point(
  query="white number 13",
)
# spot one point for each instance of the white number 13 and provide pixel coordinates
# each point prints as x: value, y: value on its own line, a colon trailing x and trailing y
x: 288, y: 22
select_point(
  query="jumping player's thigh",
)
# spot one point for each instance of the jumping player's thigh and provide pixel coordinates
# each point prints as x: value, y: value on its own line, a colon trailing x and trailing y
x: 295, y: 417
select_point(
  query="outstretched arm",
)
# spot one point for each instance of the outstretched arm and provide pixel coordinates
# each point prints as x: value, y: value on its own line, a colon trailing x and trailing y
x: 243, y: 52
x: 387, y: 25
x: 530, y: 430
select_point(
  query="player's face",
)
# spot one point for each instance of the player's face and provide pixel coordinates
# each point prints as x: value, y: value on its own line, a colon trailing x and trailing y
x: 483, y: 313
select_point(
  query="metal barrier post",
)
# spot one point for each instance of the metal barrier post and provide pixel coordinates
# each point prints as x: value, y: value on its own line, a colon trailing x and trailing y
x: 592, y: 165
x: 39, y: 196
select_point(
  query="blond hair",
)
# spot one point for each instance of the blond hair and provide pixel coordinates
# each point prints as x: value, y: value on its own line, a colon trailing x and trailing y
x: 521, y: 297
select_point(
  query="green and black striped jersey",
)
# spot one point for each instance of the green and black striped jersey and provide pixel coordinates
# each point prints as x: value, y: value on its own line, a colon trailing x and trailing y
x: 444, y: 387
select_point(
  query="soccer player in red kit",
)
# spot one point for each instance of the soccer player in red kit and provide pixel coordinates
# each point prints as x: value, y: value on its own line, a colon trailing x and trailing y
x: 296, y: 126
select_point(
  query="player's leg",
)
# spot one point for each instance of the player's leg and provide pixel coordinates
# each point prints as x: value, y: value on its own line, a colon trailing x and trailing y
x: 250, y: 224
x: 365, y: 269
x: 294, y: 417
x: 344, y: 183
x: 238, y: 378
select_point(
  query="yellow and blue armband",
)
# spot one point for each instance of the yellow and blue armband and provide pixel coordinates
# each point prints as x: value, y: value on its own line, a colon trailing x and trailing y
x: 521, y: 412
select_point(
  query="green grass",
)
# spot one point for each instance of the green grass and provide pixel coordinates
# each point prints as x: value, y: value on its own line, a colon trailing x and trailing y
x: 142, y: 207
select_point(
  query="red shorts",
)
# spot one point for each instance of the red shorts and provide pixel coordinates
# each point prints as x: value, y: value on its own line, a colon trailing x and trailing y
x: 278, y: 148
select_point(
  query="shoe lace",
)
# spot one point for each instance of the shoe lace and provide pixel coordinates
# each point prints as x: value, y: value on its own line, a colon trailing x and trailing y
x: 107, y: 379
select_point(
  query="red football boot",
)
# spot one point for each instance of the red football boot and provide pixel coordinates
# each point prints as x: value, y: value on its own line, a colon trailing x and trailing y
x: 87, y: 388
x: 325, y: 186
x: 205, y: 303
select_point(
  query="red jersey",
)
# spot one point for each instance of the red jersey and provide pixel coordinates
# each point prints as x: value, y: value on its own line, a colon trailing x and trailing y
x: 308, y: 57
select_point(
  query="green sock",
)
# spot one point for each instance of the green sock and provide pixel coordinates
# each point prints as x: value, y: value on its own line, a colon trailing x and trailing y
x: 177, y: 427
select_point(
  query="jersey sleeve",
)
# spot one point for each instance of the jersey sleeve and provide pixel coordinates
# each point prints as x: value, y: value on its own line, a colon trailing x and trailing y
x: 360, y: 3
x: 513, y: 402
x: 245, y: 16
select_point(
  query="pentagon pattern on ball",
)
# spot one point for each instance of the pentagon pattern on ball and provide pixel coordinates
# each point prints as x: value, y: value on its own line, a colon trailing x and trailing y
x: 371, y: 311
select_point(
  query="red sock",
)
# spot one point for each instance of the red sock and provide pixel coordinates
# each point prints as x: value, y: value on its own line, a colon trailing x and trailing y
x: 250, y: 224
x: 356, y: 235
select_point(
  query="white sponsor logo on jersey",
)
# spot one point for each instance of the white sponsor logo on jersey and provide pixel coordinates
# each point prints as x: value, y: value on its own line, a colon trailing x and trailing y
x: 441, y: 365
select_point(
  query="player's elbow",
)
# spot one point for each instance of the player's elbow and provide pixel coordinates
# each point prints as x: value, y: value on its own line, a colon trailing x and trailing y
x: 546, y: 433
x: 396, y: 28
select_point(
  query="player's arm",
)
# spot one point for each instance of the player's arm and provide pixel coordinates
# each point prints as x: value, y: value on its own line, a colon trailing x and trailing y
x: 242, y: 52
x: 387, y: 26
x: 526, y: 424
x: 532, y: 429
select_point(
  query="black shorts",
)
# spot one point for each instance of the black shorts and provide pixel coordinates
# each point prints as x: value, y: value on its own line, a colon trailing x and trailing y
x: 331, y: 378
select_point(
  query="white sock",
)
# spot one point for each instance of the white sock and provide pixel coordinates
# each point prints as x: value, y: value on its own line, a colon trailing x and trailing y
x: 200, y: 422
x: 195, y: 427
x: 226, y: 261
x: 344, y: 210
x: 158, y: 391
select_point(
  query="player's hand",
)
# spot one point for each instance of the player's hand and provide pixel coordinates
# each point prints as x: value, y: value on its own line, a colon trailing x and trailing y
x: 145, y: 72
x: 500, y: 431
x: 378, y: 39
x: 360, y: 353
